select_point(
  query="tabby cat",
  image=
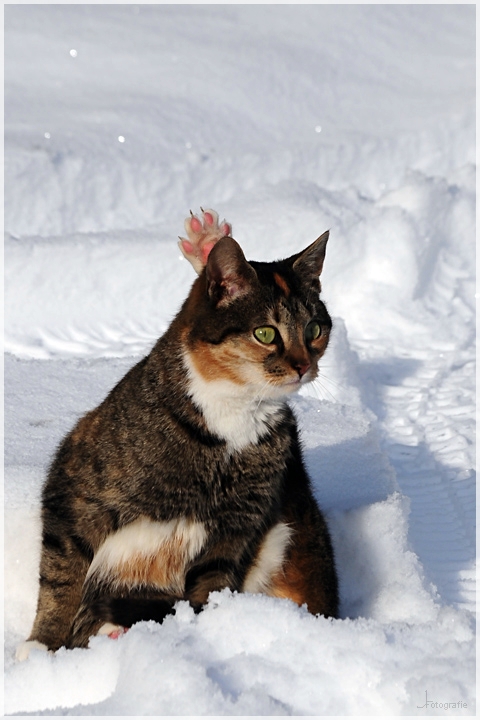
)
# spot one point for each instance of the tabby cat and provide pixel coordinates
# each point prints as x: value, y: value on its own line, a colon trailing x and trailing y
x: 189, y: 476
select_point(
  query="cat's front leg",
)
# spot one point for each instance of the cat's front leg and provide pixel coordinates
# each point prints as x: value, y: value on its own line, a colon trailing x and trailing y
x: 108, y: 604
x: 202, y: 236
x: 112, y: 614
x: 207, y: 577
x: 224, y: 565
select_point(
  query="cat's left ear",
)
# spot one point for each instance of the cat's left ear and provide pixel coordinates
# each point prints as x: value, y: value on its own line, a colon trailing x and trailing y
x: 309, y: 263
x: 229, y: 275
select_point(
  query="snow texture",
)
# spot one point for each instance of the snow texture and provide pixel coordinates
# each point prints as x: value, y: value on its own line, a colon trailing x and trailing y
x: 288, y: 120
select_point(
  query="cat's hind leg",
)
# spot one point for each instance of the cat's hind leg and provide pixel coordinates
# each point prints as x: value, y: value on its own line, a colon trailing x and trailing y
x: 63, y: 567
x: 202, y: 236
x: 295, y: 561
x: 308, y: 574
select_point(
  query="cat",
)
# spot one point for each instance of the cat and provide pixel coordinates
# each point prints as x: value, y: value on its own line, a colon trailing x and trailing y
x: 189, y: 476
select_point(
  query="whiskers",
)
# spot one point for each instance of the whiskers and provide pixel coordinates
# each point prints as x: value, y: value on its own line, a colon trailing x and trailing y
x: 322, y: 392
x: 262, y: 395
x: 322, y: 388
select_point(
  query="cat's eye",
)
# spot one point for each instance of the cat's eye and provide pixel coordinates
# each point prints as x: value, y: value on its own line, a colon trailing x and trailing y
x: 312, y: 331
x: 265, y: 334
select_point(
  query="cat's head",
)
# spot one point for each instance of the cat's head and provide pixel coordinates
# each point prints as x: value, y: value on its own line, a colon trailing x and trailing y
x: 260, y: 325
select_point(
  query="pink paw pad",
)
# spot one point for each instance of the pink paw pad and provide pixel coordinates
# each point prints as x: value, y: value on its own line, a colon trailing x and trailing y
x: 116, y: 633
x: 113, y: 631
x: 195, y: 224
x: 203, y: 234
x: 188, y: 247
x: 206, y: 250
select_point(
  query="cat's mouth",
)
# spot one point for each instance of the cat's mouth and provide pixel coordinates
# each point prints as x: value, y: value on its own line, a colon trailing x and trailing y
x: 291, y: 385
x: 295, y: 383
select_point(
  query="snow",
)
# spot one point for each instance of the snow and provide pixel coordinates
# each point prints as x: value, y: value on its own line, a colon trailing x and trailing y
x: 288, y: 120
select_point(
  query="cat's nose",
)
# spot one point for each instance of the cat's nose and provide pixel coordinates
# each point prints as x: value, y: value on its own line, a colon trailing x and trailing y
x: 302, y: 368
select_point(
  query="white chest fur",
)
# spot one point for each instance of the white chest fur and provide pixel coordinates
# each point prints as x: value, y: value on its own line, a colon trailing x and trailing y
x: 232, y: 412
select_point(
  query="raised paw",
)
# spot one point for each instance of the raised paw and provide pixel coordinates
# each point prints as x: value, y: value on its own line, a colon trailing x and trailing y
x: 202, y: 236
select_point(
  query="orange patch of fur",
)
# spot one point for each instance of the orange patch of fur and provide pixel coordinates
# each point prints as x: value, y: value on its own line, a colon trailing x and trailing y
x: 282, y: 284
x: 164, y: 569
x: 290, y: 583
x: 226, y: 361
x: 300, y: 578
x: 216, y: 363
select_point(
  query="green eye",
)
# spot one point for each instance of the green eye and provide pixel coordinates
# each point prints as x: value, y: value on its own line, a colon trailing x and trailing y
x: 265, y: 334
x: 312, y: 331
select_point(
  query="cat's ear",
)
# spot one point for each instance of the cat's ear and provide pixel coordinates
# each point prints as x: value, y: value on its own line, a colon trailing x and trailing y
x: 229, y: 275
x: 309, y: 263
